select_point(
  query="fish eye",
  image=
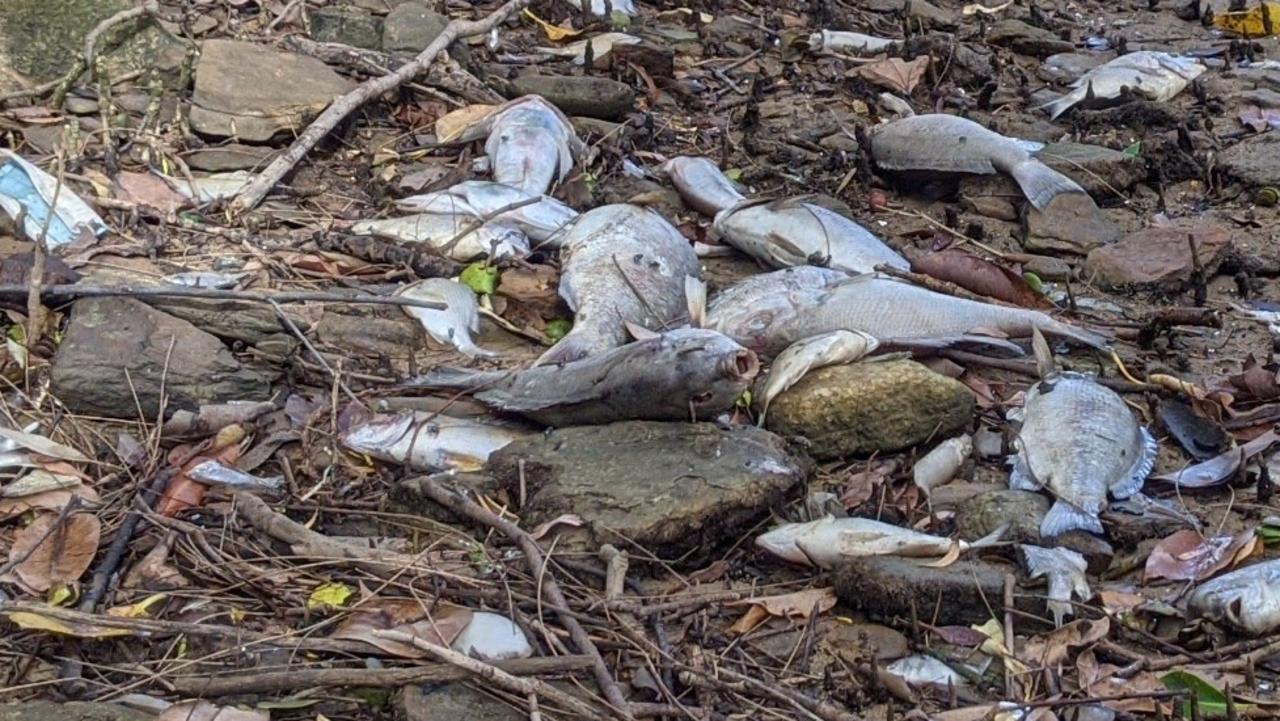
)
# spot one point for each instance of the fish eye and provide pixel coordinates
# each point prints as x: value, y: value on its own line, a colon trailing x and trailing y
x: 701, y: 398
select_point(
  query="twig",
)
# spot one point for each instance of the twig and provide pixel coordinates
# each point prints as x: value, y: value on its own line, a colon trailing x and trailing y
x: 461, y: 505
x: 249, y: 197
x: 302, y: 338
x: 100, y: 291
x: 40, y: 250
x: 85, y: 61
x: 515, y: 684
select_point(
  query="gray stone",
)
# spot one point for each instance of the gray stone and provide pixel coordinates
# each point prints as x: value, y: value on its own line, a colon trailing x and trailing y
x: 867, y: 408
x: 588, y: 96
x: 1027, y: 39
x: 1021, y: 510
x: 253, y: 93
x: 411, y: 27
x: 70, y: 711
x: 454, y: 701
x: 232, y: 156
x: 674, y: 488
x: 1071, y: 223
x: 1157, y: 258
x: 349, y: 26
x: 119, y: 349
x: 1103, y: 172
x: 1254, y: 161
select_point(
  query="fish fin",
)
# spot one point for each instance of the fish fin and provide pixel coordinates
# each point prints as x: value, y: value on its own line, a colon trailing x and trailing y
x: 1082, y: 336
x: 572, y: 347
x: 1040, y: 183
x: 639, y: 332
x: 448, y: 378
x: 1020, y: 478
x: 1031, y: 146
x: 1063, y: 517
x: 695, y: 296
x: 469, y: 348
x: 991, y: 539
x: 1142, y: 465
x: 1045, y: 366
x: 986, y: 345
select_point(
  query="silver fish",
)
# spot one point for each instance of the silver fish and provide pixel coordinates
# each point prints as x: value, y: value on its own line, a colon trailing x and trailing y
x: 601, y: 47
x: 1149, y: 73
x: 834, y: 348
x: 1247, y: 598
x: 951, y: 144
x: 1065, y: 570
x: 894, y: 312
x: 540, y: 217
x: 428, y: 441
x: 605, y: 8
x: 748, y: 309
x: 791, y: 232
x: 850, y: 43
x: 1079, y: 441
x: 681, y: 373
x: 622, y: 264
x: 531, y: 145
x: 452, y: 325
x: 939, y: 466
x: 441, y: 232
x: 701, y: 185
x: 829, y: 541
x: 218, y: 474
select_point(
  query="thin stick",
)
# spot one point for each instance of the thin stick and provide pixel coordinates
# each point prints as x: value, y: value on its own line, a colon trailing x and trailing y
x: 302, y: 338
x: 251, y: 195
x: 85, y: 61
x: 100, y: 291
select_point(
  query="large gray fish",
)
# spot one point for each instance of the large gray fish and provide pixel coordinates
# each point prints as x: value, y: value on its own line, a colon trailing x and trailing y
x: 1146, y: 73
x: 701, y: 185
x: 747, y: 310
x: 894, y: 312
x: 622, y: 264
x: 1248, y: 598
x: 673, y: 376
x: 1079, y: 441
x: 540, y: 216
x: 453, y: 324
x: 951, y: 144
x: 454, y: 236
x: 429, y: 441
x: 791, y: 232
x: 531, y: 145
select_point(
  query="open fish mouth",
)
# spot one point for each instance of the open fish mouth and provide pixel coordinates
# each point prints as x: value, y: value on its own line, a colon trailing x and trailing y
x: 741, y: 366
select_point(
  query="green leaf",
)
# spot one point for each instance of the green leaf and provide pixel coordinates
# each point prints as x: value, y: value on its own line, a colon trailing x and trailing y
x: 1270, y: 535
x: 480, y: 277
x: 619, y: 19
x: 1135, y: 150
x: 61, y: 595
x: 744, y: 400
x: 734, y: 174
x: 1034, y: 281
x: 372, y: 697
x: 329, y: 595
x: 558, y: 329
x: 1211, y: 701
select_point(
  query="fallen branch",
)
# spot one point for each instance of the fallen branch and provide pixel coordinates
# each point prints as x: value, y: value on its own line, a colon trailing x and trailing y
x: 249, y: 197
x: 203, y: 685
x: 85, y: 61
x: 67, y: 292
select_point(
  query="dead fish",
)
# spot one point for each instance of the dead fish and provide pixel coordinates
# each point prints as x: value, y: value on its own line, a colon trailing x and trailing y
x: 701, y: 185
x: 924, y: 671
x: 605, y: 8
x: 531, y: 145
x: 601, y: 47
x: 894, y: 312
x: 428, y: 441
x: 941, y: 464
x: 540, y: 217
x: 951, y: 144
x: 1065, y: 570
x: 454, y: 236
x: 1079, y: 441
x: 220, y: 475
x: 748, y: 309
x: 834, y: 348
x: 791, y: 232
x: 1247, y: 598
x: 850, y: 43
x: 829, y: 541
x: 455, y: 323
x: 1146, y: 73
x: 622, y: 264
x: 681, y: 373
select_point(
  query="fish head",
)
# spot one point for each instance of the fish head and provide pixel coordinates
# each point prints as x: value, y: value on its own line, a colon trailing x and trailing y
x: 714, y: 370
x: 501, y: 241
x: 379, y: 433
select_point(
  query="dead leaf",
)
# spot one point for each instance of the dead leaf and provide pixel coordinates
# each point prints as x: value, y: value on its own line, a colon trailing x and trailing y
x: 710, y: 574
x: 205, y: 711
x: 441, y: 627
x: 153, y: 572
x: 800, y: 604
x: 895, y: 73
x: 55, y: 555
x: 980, y: 276
x: 452, y: 126
x: 182, y: 492
x: 1220, y: 468
x: 46, y: 501
x: 1120, y: 602
x: 1097, y: 679
x: 568, y: 519
x: 146, y: 189
x: 43, y: 446
x: 1256, y: 381
x: 555, y: 33
x: 1051, y: 649
x: 37, y: 622
x: 862, y: 484
x: 1188, y: 556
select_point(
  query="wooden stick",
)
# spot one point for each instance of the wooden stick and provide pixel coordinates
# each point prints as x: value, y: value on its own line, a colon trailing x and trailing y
x: 63, y: 292
x: 249, y: 197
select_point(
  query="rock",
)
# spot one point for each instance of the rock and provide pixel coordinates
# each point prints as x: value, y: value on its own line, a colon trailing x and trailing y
x: 1157, y: 257
x: 992, y: 196
x: 674, y: 488
x: 1027, y: 39
x: 349, y: 26
x: 840, y: 141
x: 1096, y: 551
x: 389, y: 334
x: 867, y: 408
x: 1261, y: 97
x: 232, y: 156
x: 411, y: 27
x: 252, y: 93
x: 454, y: 701
x: 887, y: 586
x: 1047, y: 267
x: 1070, y: 222
x: 1102, y: 172
x: 983, y: 514
x: 70, y: 711
x: 589, y: 96
x: 1066, y: 68
x: 585, y: 127
x: 116, y: 349
x: 1254, y: 161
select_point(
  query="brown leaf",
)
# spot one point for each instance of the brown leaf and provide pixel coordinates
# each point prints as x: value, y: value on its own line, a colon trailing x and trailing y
x: 45, y: 501
x: 1219, y: 468
x: 154, y: 572
x: 1188, y: 556
x: 146, y: 189
x: 59, y: 555
x: 980, y: 276
x: 895, y: 73
x: 441, y: 627
x: 182, y: 492
x: 800, y: 604
x: 1256, y: 381
x: 205, y: 711
x: 959, y: 635
x: 714, y: 572
x: 862, y: 484
x: 1097, y: 679
x: 1051, y: 649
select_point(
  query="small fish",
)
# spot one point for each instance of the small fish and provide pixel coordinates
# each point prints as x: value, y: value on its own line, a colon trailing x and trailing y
x: 531, y: 145
x: 428, y: 441
x: 621, y: 264
x: 205, y: 279
x: 701, y: 185
x: 605, y: 8
x: 941, y: 464
x: 848, y: 43
x: 601, y: 46
x: 925, y: 671
x: 894, y: 312
x: 681, y: 373
x: 454, y: 236
x: 951, y: 144
x: 215, y: 473
x: 1247, y: 598
x: 1147, y: 73
x: 452, y: 325
x: 541, y: 217
x: 1079, y: 441
x: 829, y: 541
x: 834, y: 348
x: 791, y: 232
x: 1065, y: 570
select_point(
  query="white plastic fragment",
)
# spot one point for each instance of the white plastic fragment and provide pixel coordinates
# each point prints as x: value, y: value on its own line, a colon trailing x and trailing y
x: 492, y: 637
x: 28, y: 192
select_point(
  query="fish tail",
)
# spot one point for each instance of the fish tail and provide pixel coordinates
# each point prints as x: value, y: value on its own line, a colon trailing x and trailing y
x: 695, y: 295
x: 1040, y: 183
x: 572, y: 347
x: 991, y: 539
x: 1082, y: 336
x: 471, y: 350
x: 1064, y: 517
x: 1059, y: 105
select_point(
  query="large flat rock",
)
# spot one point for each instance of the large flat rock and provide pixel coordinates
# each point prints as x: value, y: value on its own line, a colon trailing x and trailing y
x: 1158, y: 257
